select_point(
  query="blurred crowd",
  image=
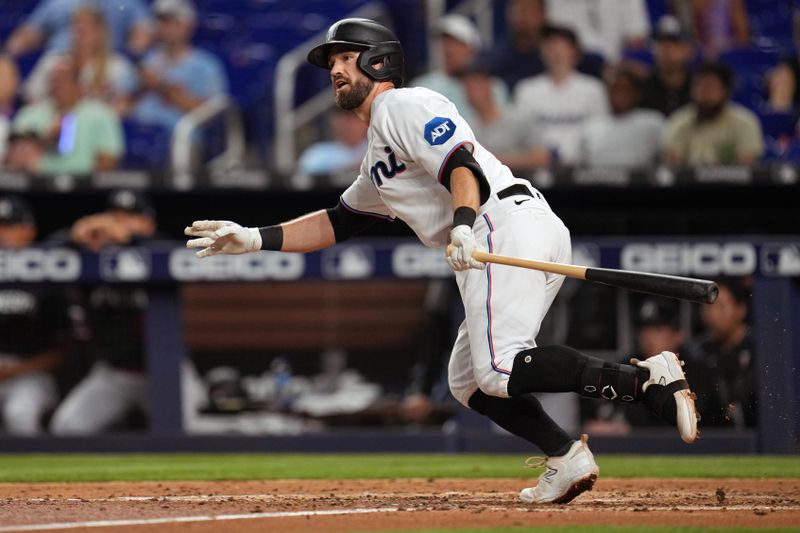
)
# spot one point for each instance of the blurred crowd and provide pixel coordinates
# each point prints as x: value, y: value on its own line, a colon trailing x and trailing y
x: 569, y: 82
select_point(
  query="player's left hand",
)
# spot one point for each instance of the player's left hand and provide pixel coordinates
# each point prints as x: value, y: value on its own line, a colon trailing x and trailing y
x: 460, y: 256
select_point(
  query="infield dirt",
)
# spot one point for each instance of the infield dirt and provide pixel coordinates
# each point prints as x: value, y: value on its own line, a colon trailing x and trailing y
x: 411, y: 504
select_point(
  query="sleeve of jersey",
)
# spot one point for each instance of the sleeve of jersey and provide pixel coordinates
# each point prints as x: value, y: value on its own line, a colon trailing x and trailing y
x: 437, y: 139
x: 362, y: 198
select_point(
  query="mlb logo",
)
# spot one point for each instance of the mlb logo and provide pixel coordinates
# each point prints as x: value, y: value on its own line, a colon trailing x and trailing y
x: 125, y: 264
x: 348, y: 262
x: 439, y: 130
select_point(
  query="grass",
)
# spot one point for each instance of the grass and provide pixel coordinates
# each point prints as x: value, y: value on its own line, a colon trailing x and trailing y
x: 163, y: 467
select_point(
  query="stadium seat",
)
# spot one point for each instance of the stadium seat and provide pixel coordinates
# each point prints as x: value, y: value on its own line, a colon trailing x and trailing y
x: 147, y: 146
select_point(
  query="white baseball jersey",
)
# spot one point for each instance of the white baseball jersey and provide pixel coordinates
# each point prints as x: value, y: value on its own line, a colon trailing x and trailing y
x: 411, y: 135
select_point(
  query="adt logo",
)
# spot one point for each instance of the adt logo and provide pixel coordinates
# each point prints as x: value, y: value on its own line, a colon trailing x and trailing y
x: 439, y: 130
x: 125, y: 264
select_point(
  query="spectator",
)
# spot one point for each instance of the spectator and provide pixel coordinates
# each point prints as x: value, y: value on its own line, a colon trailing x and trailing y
x: 104, y: 74
x: 717, y: 25
x: 669, y: 85
x: 729, y: 360
x: 712, y: 130
x: 49, y: 26
x: 784, y: 93
x: 630, y: 137
x: 116, y: 383
x: 517, y: 56
x: 34, y: 333
x: 562, y: 101
x: 603, y: 27
x: 67, y: 133
x: 176, y: 77
x: 343, y: 154
x: 460, y: 41
x: 9, y: 80
x: 515, y: 140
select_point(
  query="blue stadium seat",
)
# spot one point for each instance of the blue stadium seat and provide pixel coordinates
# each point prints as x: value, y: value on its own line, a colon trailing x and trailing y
x: 777, y: 124
x: 147, y: 146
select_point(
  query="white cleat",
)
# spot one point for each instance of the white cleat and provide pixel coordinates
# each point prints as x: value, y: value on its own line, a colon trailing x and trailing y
x: 566, y: 477
x: 665, y: 370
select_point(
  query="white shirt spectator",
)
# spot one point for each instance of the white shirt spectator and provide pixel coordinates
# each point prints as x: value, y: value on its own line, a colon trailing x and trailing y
x: 630, y: 140
x: 603, y: 26
x: 562, y: 111
x: 120, y: 77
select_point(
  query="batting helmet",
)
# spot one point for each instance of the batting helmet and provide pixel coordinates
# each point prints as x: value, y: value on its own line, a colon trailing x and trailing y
x: 376, y: 43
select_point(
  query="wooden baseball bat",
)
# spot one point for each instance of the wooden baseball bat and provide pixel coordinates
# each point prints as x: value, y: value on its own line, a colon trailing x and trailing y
x: 692, y: 289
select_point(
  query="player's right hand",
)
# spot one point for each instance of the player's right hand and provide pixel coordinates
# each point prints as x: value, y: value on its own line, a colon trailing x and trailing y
x: 463, y: 243
x: 222, y: 237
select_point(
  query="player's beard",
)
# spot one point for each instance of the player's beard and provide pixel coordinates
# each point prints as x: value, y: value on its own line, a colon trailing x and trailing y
x: 359, y: 90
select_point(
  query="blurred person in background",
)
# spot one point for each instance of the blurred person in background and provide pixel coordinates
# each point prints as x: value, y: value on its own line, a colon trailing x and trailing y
x: 784, y: 93
x: 562, y: 101
x: 630, y: 136
x: 342, y: 154
x: 48, y: 26
x: 34, y: 332
x: 712, y: 130
x: 460, y: 42
x: 603, y: 27
x: 729, y: 359
x: 176, y: 77
x: 517, y: 56
x: 103, y: 73
x: 114, y: 315
x: 514, y: 140
x: 717, y: 25
x: 9, y: 81
x: 669, y: 85
x: 66, y: 133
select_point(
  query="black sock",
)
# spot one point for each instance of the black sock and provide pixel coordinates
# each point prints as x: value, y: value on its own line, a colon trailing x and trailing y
x: 524, y: 417
x: 563, y: 369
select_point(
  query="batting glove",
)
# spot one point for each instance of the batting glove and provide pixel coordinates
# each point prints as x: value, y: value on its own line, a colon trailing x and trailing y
x: 222, y: 237
x: 460, y: 257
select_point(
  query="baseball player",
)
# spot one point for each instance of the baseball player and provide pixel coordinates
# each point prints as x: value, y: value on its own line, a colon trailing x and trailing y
x: 424, y: 166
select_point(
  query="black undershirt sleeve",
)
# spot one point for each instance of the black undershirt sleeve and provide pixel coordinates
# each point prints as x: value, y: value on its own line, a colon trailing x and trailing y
x: 462, y: 157
x: 347, y: 223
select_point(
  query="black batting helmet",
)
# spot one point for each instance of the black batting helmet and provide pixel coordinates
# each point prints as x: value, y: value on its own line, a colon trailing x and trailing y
x: 376, y: 43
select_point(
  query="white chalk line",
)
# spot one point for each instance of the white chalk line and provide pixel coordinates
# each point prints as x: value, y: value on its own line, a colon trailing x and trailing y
x: 184, y: 519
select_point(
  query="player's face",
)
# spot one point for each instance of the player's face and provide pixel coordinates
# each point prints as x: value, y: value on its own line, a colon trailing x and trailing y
x: 723, y: 316
x: 350, y: 86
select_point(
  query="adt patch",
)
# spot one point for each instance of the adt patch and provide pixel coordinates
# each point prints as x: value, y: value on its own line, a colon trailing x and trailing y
x: 439, y: 130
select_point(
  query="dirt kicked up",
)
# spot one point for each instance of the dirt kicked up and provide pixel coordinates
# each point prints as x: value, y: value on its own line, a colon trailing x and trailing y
x: 376, y: 505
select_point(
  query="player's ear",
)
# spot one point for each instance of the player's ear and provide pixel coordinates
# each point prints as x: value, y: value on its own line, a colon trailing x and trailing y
x: 377, y: 65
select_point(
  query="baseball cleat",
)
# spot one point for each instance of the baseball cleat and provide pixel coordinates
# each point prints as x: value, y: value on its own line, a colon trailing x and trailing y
x: 666, y: 372
x: 566, y: 476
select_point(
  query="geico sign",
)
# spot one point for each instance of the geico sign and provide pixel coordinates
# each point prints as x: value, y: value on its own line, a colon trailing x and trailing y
x: 701, y: 259
x: 417, y: 261
x: 35, y: 264
x: 185, y: 266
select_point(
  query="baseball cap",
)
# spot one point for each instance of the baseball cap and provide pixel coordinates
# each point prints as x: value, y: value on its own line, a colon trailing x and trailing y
x: 130, y: 201
x: 15, y: 210
x: 669, y: 28
x: 657, y: 313
x: 178, y: 9
x: 461, y: 29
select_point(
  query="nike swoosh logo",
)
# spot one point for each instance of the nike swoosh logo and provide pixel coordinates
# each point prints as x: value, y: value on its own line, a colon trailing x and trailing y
x: 520, y: 201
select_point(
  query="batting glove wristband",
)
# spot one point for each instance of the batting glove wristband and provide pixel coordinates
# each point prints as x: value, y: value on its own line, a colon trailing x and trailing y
x: 222, y: 237
x: 463, y: 241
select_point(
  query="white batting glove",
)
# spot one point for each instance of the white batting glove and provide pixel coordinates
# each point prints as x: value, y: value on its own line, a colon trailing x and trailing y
x: 460, y: 257
x: 222, y: 237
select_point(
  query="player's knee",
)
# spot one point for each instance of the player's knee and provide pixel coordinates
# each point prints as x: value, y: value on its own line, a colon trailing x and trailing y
x: 494, y: 384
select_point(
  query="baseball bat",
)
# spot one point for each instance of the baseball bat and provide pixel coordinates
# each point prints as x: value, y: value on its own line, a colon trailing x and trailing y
x: 692, y: 289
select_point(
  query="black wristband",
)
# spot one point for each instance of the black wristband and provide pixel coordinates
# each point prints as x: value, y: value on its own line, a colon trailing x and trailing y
x: 271, y: 237
x: 464, y: 216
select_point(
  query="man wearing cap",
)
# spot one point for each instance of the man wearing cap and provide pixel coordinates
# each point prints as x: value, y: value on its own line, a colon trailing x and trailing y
x: 460, y: 42
x: 116, y: 383
x: 34, y: 332
x: 562, y: 100
x: 669, y: 85
x: 176, y: 77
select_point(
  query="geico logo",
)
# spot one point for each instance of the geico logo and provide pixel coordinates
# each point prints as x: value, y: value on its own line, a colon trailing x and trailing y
x: 416, y: 261
x: 704, y: 258
x: 185, y: 266
x: 34, y: 264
